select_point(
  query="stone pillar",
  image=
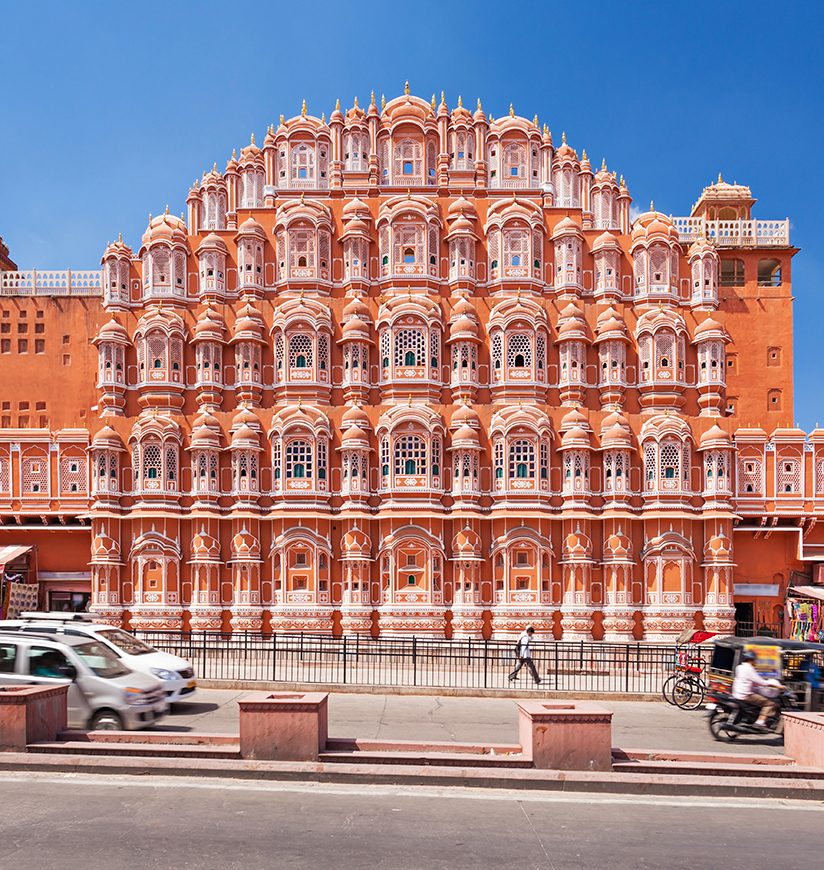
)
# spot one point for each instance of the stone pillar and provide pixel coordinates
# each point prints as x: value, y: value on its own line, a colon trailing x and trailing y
x: 566, y: 736
x: 284, y: 726
x: 31, y: 714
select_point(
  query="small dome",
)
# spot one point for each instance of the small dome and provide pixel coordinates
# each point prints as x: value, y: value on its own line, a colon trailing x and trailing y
x: 104, y: 545
x: 165, y: 228
x: 107, y: 438
x: 245, y: 544
x: 204, y: 546
x: 714, y: 437
x: 117, y: 249
x: 465, y: 436
x: 250, y: 227
x: 574, y: 418
x: 354, y: 436
x: 566, y: 227
x: 709, y: 325
x: 210, y: 325
x: 355, y: 416
x: 605, y: 242
x: 465, y: 416
x: 246, y: 417
x: 617, y: 546
x: 244, y: 433
x: 356, y: 307
x: 462, y: 206
x: 213, y: 242
x: 463, y: 327
x: 204, y: 437
x: 113, y: 330
x: 575, y: 437
x: 356, y: 208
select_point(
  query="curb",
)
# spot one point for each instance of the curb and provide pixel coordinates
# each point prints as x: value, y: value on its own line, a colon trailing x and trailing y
x: 400, y: 775
x: 441, y: 691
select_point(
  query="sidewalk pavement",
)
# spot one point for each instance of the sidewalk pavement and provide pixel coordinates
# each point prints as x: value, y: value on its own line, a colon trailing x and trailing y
x: 636, y: 724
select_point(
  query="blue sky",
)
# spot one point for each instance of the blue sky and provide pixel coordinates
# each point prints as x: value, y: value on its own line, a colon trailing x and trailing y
x: 109, y: 111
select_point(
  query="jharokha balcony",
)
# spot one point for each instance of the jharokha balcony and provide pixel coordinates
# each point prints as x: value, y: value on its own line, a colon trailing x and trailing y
x: 734, y: 233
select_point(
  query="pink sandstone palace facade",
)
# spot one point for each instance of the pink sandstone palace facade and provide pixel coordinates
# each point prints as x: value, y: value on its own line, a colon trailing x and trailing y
x: 415, y: 369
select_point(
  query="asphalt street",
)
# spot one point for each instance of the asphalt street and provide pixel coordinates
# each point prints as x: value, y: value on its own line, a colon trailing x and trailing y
x: 636, y: 724
x: 100, y: 823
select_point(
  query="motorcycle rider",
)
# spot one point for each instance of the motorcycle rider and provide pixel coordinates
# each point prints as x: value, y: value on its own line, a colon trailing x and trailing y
x: 746, y: 684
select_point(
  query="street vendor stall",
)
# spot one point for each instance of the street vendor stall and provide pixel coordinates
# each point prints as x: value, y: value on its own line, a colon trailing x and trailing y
x: 19, y: 590
x: 805, y: 609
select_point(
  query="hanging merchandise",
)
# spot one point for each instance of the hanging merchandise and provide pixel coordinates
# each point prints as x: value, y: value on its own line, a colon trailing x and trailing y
x: 806, y: 621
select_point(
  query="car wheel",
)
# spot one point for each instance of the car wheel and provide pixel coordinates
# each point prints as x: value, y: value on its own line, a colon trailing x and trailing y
x: 106, y: 720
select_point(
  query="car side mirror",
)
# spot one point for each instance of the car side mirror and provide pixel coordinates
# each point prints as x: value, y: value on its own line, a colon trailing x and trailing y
x: 69, y: 671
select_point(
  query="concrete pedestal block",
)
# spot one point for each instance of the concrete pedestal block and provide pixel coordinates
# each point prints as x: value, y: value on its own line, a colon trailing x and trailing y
x: 283, y: 726
x: 30, y: 714
x: 566, y: 735
x: 804, y: 738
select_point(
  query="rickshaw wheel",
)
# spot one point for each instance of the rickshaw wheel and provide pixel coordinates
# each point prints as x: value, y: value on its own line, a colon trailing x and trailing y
x: 682, y: 693
x: 669, y: 685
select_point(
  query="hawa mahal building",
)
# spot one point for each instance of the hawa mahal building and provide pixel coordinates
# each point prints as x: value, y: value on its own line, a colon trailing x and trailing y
x: 415, y: 369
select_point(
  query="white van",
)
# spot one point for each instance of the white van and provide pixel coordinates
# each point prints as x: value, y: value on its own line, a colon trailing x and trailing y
x: 104, y: 695
x: 176, y: 674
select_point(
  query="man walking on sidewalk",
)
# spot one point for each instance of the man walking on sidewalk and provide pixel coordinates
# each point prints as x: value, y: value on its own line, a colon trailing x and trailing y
x: 524, y: 654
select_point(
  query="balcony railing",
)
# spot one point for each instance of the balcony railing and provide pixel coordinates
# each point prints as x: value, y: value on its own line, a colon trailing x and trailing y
x: 36, y: 282
x: 735, y: 234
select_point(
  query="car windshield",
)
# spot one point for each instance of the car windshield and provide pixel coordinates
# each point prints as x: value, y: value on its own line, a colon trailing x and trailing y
x: 100, y: 659
x: 127, y: 642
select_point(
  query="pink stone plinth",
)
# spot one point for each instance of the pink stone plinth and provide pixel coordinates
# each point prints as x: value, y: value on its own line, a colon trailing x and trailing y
x: 566, y: 735
x: 30, y: 714
x: 283, y: 726
x: 804, y: 738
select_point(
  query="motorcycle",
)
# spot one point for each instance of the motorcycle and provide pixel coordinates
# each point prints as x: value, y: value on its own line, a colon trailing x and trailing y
x: 729, y: 717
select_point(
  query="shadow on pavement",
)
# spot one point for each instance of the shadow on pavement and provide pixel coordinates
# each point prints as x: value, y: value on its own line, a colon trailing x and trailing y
x: 191, y: 708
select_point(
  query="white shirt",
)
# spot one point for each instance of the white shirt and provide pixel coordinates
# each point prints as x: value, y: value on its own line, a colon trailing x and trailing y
x: 523, y: 646
x: 746, y: 679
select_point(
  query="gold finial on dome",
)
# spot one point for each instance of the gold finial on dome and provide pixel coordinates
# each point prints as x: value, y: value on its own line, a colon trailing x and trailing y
x: 622, y: 182
x: 652, y: 205
x: 302, y: 194
x: 511, y: 111
x: 167, y: 208
x: 182, y: 216
x: 546, y: 129
x: 120, y: 237
x: 720, y: 180
x: 337, y: 104
x: 432, y: 102
x: 282, y: 119
x: 563, y: 137
x: 303, y: 109
x: 460, y: 101
x: 383, y: 101
x: 480, y: 107
x: 584, y: 154
x: 252, y: 138
x: 409, y: 401
x: 372, y: 99
x: 323, y: 117
x: 214, y: 167
x: 443, y: 98
x: 150, y: 217
x: 535, y: 120
x: 603, y: 163
x: 406, y: 87
x: 234, y: 150
x: 356, y: 103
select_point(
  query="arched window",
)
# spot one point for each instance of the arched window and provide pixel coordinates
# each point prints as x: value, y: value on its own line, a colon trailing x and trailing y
x: 410, y: 455
x: 410, y: 347
x: 303, y: 163
x: 298, y: 459
x: 521, y: 460
x: 769, y: 273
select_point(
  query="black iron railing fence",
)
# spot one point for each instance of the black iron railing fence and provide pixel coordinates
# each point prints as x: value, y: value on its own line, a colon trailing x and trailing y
x: 568, y: 666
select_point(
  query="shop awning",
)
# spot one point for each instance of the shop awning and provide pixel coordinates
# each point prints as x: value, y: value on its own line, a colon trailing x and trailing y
x: 816, y: 592
x: 10, y: 553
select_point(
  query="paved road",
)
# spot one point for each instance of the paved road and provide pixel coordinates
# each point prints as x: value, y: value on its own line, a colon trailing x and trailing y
x: 100, y: 823
x: 636, y: 724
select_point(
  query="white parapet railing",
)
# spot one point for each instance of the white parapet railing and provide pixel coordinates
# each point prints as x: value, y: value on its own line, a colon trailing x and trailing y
x: 735, y: 234
x: 37, y: 282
